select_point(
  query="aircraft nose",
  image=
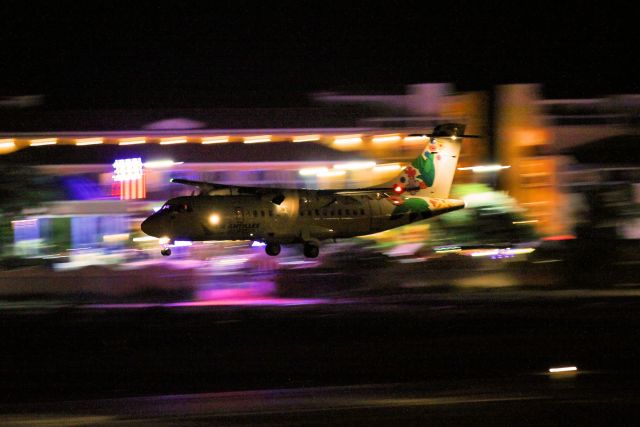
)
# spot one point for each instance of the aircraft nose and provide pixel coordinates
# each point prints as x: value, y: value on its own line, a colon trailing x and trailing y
x: 152, y: 226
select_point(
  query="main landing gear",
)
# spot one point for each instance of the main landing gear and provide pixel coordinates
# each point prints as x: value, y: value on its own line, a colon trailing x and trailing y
x: 272, y: 248
x: 311, y: 250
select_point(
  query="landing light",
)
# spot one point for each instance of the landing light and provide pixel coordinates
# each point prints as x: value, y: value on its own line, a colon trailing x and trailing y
x: 214, y: 219
x: 398, y: 189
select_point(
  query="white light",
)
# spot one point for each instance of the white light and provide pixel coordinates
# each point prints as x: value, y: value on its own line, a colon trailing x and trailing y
x: 109, y: 238
x: 156, y: 164
x: 348, y: 140
x: 215, y: 139
x: 352, y: 166
x: 7, y: 143
x: 145, y: 239
x: 313, y: 171
x: 214, y: 219
x: 306, y: 138
x: 89, y: 141
x: 164, y: 240
x: 483, y: 169
x: 387, y: 168
x: 385, y: 139
x: 132, y: 141
x: 179, y: 243
x: 331, y: 173
x: 256, y: 139
x: 563, y: 369
x: 44, y: 141
x: 414, y: 138
x: 169, y: 141
x: 531, y: 221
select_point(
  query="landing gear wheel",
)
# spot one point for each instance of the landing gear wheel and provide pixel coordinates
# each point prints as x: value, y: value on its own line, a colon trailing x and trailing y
x: 310, y: 250
x: 272, y: 249
x: 165, y: 251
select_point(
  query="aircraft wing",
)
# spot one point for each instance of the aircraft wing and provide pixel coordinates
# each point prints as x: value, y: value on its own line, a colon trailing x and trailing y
x: 210, y: 186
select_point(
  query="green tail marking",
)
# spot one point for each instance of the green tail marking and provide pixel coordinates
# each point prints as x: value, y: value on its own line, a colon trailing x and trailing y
x: 425, y: 166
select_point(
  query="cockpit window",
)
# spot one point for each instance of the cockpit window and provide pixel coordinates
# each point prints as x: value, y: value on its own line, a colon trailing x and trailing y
x: 177, y: 207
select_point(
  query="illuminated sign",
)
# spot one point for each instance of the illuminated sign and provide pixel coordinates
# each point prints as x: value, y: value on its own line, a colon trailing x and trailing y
x: 127, y: 169
x: 128, y: 177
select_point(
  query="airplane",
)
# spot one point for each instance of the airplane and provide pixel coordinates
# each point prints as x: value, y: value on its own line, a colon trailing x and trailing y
x: 279, y: 216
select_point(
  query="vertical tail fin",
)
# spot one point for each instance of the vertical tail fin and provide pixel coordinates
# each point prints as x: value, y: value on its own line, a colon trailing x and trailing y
x: 431, y: 173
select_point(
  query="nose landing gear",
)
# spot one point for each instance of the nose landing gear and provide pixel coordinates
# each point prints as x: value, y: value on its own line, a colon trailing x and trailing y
x: 165, y: 251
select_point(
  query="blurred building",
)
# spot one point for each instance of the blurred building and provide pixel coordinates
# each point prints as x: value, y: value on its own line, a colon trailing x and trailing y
x: 114, y: 166
x: 574, y: 162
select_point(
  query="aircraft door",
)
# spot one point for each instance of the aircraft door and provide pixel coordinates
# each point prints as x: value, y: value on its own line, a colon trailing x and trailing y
x: 375, y: 215
x: 238, y: 213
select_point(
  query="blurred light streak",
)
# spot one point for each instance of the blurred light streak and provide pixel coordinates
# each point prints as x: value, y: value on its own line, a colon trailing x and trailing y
x: 110, y: 238
x: 530, y: 221
x: 145, y: 239
x: 331, y: 173
x: 215, y: 139
x: 484, y: 168
x: 160, y: 164
x: 256, y: 139
x: 169, y: 141
x: 7, y: 143
x: 560, y: 237
x: 563, y: 369
x: 258, y: 244
x: 348, y: 140
x: 89, y: 141
x: 43, y: 141
x: 381, y: 139
x: 447, y: 249
x: 415, y: 138
x: 502, y: 252
x: 352, y: 166
x: 132, y: 141
x: 313, y: 171
x: 306, y: 138
x: 387, y: 168
x: 164, y: 240
x: 180, y: 243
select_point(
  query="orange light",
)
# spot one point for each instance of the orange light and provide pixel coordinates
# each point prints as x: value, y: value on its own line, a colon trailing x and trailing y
x: 398, y: 189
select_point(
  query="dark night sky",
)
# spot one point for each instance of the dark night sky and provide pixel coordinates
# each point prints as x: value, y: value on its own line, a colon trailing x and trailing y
x: 150, y: 55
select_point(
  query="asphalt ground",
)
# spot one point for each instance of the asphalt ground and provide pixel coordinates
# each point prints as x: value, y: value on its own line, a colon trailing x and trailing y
x: 433, y: 343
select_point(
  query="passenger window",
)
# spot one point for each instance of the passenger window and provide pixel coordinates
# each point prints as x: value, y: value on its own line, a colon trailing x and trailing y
x: 270, y: 213
x: 262, y: 214
x: 324, y: 213
x: 317, y: 212
x: 333, y: 213
x: 255, y: 214
x: 347, y: 212
x: 361, y: 211
x: 309, y: 213
x: 339, y: 212
x: 301, y: 213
